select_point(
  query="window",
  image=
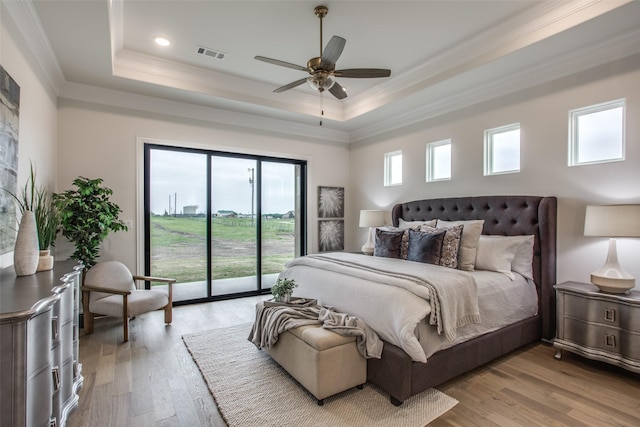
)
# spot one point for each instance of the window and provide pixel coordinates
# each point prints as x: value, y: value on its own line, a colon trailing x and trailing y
x: 222, y: 224
x: 393, y: 168
x: 596, y: 133
x: 502, y: 150
x: 439, y: 161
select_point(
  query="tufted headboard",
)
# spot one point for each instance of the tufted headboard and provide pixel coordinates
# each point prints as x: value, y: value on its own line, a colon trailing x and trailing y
x: 507, y: 216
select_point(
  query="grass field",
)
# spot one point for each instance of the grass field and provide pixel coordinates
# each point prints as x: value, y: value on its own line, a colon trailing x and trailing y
x: 178, y: 247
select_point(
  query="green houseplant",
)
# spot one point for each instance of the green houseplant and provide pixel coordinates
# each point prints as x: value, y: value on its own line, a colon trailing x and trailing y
x: 39, y: 200
x: 87, y: 217
x: 282, y: 289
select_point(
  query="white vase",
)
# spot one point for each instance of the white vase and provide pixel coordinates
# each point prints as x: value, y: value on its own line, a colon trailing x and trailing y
x: 26, y: 252
x: 45, y: 260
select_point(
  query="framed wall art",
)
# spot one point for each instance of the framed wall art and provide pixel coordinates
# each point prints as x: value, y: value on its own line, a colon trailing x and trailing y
x: 331, y: 235
x: 330, y: 202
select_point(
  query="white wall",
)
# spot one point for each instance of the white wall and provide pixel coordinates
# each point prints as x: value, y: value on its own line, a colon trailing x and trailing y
x: 543, y: 116
x: 38, y: 112
x: 100, y: 142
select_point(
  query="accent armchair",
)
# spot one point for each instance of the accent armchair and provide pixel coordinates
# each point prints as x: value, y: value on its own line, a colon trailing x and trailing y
x: 110, y: 289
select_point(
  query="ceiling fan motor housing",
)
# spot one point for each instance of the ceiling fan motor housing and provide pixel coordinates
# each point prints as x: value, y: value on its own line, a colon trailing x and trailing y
x: 321, y: 81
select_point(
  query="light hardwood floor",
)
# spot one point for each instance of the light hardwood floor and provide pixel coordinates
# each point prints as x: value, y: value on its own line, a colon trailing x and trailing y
x: 152, y: 380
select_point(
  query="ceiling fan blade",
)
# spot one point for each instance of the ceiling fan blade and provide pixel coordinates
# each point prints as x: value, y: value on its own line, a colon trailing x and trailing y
x: 332, y: 52
x: 282, y: 63
x: 363, y: 73
x: 290, y: 85
x: 338, y: 91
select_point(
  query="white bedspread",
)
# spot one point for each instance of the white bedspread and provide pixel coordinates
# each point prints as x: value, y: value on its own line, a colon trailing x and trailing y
x: 502, y: 302
x: 392, y: 296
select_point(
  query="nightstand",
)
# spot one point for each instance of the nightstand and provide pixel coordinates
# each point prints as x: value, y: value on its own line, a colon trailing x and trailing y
x: 597, y: 325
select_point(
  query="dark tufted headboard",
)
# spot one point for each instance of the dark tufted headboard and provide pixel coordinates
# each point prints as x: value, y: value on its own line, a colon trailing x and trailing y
x: 508, y: 216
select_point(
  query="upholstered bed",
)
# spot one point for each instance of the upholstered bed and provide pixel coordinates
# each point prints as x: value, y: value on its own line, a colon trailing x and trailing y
x: 353, y: 285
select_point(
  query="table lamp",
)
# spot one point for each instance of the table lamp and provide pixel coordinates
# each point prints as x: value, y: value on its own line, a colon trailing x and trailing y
x: 612, y: 221
x: 371, y: 219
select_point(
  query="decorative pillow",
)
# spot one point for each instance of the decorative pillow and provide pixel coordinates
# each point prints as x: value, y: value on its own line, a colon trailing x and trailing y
x: 468, y: 242
x: 450, y: 244
x: 388, y: 243
x: 425, y: 247
x: 404, y: 245
x: 523, y: 261
x: 496, y: 253
x: 415, y: 224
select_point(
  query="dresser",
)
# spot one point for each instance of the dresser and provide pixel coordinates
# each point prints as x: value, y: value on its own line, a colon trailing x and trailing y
x: 597, y: 325
x: 40, y: 373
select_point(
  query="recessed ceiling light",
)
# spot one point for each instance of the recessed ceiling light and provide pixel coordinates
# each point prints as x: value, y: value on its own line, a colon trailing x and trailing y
x: 162, y: 41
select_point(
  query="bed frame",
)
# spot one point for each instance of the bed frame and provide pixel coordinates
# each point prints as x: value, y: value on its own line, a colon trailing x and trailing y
x: 402, y: 378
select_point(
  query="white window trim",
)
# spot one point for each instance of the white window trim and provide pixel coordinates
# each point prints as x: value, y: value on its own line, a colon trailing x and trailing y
x: 387, y: 168
x: 573, y: 130
x: 488, y: 148
x: 430, y: 158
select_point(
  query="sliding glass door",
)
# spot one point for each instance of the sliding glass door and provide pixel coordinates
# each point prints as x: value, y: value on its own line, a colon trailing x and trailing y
x: 222, y: 224
x: 234, y: 243
x: 281, y: 222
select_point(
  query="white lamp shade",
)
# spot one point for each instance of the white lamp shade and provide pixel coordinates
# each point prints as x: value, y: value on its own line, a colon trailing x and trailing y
x: 612, y: 221
x: 371, y: 218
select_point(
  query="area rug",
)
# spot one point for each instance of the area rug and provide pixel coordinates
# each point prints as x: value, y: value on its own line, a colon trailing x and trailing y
x: 251, y: 389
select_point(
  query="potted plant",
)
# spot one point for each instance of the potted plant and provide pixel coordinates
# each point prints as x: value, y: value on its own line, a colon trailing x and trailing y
x: 39, y: 200
x: 87, y: 217
x: 283, y: 289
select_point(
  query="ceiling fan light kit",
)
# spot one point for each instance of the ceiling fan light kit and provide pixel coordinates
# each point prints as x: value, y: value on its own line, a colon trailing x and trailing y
x: 322, y: 68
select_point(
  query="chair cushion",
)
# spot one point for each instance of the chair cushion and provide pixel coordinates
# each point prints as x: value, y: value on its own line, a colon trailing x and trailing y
x: 109, y: 274
x: 140, y: 301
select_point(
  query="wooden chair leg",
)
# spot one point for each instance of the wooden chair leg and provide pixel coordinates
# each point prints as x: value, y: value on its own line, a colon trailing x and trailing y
x: 168, y: 314
x: 125, y: 318
x: 87, y: 316
x: 126, y: 329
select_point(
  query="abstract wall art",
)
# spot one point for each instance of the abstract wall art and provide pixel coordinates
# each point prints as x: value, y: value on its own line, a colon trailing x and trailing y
x: 9, y: 121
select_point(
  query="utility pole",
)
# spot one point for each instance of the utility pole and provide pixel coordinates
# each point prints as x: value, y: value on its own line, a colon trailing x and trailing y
x: 251, y: 181
x: 175, y: 204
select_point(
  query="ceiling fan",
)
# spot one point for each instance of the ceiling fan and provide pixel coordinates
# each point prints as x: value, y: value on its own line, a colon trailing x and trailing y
x: 322, y: 68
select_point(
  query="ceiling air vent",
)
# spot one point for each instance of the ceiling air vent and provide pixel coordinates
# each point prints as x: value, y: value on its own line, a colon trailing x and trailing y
x: 215, y: 54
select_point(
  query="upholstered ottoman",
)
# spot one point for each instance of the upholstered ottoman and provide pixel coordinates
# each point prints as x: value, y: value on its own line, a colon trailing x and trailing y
x: 324, y: 362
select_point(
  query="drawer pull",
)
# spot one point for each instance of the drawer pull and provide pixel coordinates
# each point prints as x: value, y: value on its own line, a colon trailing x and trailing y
x: 56, y: 378
x: 54, y: 327
x: 610, y: 340
x: 610, y: 314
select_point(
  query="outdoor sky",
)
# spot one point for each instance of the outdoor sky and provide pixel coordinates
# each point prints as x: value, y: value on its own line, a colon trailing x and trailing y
x: 185, y: 174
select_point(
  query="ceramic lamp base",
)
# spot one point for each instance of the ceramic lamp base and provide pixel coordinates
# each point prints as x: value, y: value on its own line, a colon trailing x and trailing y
x: 612, y: 285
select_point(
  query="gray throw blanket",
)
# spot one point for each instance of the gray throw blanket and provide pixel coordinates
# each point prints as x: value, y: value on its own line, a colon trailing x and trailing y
x: 272, y: 321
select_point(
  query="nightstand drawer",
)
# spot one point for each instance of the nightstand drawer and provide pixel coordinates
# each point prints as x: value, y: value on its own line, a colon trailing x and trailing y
x: 602, y: 338
x: 603, y: 312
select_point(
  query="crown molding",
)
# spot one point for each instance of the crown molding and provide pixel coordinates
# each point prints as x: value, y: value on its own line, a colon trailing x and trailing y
x: 542, y: 21
x: 150, y: 69
x: 535, y: 24
x: 187, y: 111
x: 619, y: 47
x: 28, y: 23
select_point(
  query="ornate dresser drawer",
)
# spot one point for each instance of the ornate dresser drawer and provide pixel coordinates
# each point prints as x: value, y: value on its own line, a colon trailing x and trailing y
x: 603, y: 338
x: 602, y: 311
x: 597, y: 325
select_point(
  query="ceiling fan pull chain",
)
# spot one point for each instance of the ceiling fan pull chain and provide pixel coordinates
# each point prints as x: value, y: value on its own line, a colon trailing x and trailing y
x: 321, y: 107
